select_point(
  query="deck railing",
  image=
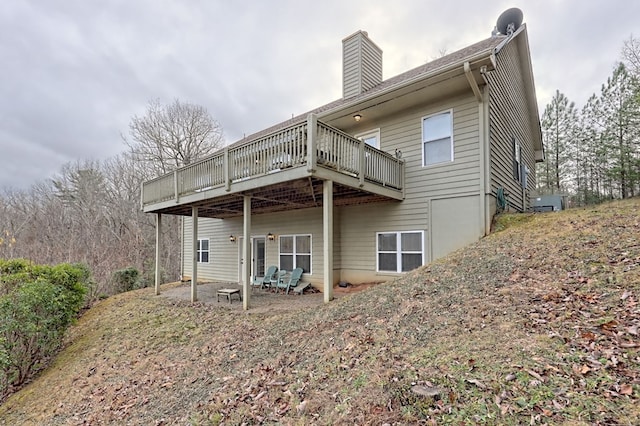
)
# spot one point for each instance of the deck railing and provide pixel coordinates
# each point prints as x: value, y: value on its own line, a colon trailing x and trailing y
x: 293, y: 146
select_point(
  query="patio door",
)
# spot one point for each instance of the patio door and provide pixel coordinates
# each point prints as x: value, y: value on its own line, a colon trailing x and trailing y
x: 258, y: 256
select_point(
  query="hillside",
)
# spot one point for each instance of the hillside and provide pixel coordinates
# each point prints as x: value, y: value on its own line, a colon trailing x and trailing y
x: 536, y: 324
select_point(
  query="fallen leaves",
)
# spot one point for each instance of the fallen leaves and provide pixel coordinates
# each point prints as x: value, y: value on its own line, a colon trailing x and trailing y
x: 525, y: 327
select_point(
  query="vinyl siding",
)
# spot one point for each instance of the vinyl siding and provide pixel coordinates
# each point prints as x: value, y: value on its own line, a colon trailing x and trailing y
x: 355, y: 227
x: 224, y: 255
x: 460, y: 178
x: 362, y: 64
x: 510, y: 116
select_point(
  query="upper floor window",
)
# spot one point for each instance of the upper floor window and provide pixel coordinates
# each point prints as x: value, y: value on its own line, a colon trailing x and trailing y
x: 203, y: 250
x: 437, y: 138
x: 371, y: 138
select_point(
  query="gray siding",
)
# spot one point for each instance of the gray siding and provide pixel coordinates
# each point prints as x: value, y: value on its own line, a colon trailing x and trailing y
x: 510, y: 116
x: 355, y: 227
x: 224, y: 256
x: 461, y: 178
x: 362, y: 64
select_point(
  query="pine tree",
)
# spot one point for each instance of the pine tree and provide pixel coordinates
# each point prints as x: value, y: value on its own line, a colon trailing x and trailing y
x: 559, y: 125
x: 620, y: 108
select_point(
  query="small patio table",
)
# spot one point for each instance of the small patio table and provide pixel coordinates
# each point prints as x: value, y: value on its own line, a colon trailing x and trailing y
x: 228, y: 292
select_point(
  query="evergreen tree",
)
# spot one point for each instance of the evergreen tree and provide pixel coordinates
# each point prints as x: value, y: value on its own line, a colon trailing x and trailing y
x: 620, y: 111
x: 559, y: 125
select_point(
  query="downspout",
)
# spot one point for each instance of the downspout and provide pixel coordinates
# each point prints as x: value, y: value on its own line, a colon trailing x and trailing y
x: 484, y: 225
x: 486, y: 152
x: 472, y: 81
x: 482, y: 173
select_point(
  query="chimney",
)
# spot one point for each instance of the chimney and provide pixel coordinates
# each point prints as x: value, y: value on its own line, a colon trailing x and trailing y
x: 361, y: 64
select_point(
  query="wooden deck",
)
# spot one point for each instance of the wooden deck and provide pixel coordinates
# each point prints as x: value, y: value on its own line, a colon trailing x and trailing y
x: 282, y: 170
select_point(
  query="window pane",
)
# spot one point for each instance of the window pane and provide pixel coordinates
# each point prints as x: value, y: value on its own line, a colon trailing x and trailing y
x: 387, y: 262
x: 286, y: 244
x: 437, y: 127
x: 371, y: 140
x: 411, y: 261
x: 204, y: 245
x: 205, y: 257
x: 387, y: 242
x: 303, y: 244
x: 303, y: 261
x: 286, y: 262
x: 411, y: 241
x: 438, y: 151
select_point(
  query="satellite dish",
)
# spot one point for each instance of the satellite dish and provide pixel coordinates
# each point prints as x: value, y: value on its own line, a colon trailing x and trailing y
x: 509, y: 21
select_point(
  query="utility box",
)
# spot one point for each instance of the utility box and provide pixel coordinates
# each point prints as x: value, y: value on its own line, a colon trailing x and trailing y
x: 549, y: 203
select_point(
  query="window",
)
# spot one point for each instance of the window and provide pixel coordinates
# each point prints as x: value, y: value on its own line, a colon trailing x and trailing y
x: 295, y: 252
x: 203, y: 250
x: 516, y: 159
x: 400, y: 251
x: 437, y: 139
x: 371, y: 138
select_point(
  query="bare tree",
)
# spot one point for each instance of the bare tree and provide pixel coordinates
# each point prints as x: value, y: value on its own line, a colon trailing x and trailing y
x: 631, y: 55
x: 170, y: 136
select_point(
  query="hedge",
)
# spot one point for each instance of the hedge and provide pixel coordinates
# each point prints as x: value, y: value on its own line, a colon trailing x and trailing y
x: 37, y: 305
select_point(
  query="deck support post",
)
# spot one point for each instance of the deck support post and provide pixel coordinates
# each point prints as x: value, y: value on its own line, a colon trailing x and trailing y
x: 158, y: 247
x: 246, y: 253
x: 327, y: 231
x: 194, y: 251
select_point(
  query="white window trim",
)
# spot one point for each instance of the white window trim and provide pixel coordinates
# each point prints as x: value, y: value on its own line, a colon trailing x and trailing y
x: 200, y: 251
x: 310, y: 254
x: 373, y: 132
x: 399, y: 251
x: 450, y: 112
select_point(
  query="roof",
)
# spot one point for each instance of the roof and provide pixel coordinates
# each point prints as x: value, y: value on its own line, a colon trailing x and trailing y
x: 487, y: 46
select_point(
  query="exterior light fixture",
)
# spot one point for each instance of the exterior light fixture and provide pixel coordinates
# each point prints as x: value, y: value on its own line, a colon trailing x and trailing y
x: 271, y: 237
x: 232, y: 239
x: 357, y: 117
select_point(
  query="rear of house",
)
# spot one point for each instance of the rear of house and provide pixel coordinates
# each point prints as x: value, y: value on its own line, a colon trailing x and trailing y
x: 391, y: 176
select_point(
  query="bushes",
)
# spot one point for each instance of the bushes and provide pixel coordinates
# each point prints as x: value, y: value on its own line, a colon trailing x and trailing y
x: 126, y: 279
x: 37, y: 305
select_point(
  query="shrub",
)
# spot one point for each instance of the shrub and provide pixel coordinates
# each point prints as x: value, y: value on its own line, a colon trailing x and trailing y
x: 34, y: 315
x: 13, y: 266
x: 12, y: 273
x: 126, y: 279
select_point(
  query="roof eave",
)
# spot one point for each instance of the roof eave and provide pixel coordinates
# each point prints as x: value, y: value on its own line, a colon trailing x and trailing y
x: 486, y: 57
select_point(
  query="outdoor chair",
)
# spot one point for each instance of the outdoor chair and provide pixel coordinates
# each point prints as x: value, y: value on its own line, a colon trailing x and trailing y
x: 292, y: 282
x: 277, y: 279
x: 265, y: 281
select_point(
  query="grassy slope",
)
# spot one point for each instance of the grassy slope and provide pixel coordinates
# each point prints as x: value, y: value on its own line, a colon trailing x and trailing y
x: 536, y: 324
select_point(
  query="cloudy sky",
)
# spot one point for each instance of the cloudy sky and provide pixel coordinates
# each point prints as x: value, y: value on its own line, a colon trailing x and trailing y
x: 74, y: 72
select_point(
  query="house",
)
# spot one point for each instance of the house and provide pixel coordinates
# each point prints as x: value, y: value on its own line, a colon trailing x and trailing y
x: 393, y: 175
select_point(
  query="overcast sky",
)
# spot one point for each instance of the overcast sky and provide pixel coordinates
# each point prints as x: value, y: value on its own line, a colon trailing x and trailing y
x: 74, y: 72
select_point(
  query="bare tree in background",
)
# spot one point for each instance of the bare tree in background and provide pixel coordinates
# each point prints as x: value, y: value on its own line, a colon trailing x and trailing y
x: 631, y: 55
x: 170, y: 136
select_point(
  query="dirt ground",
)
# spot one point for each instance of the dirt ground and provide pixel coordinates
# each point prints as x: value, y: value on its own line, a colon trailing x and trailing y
x: 261, y: 301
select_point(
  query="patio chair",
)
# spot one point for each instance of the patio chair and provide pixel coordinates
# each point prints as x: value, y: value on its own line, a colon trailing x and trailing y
x: 277, y: 279
x: 265, y: 281
x: 292, y: 282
